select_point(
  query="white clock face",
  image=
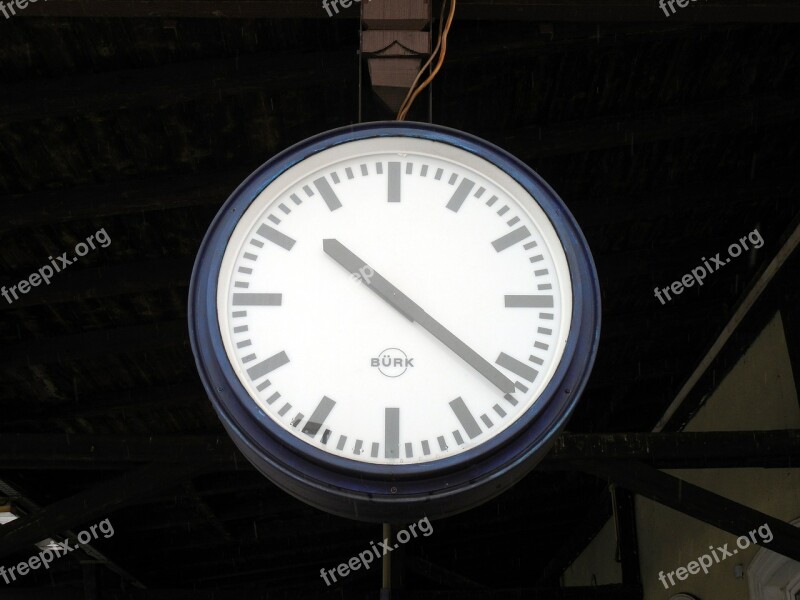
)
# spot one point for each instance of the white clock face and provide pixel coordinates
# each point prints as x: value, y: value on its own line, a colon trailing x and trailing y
x: 394, y: 301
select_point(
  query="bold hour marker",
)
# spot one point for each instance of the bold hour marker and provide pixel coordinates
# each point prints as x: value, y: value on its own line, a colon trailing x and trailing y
x: 465, y: 417
x: 394, y: 182
x: 529, y: 301
x: 392, y: 432
x: 326, y: 191
x: 254, y: 299
x: 517, y: 367
x: 318, y: 417
x: 275, y: 236
x: 461, y: 193
x: 267, y: 365
x: 509, y: 239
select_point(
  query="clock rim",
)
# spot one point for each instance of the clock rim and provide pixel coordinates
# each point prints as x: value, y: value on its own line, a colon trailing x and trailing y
x: 532, y: 434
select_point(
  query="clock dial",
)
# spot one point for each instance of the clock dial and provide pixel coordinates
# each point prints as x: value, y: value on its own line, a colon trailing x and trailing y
x: 394, y: 300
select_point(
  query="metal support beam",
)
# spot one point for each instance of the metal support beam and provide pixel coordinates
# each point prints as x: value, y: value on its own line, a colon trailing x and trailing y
x: 696, y: 502
x: 95, y: 503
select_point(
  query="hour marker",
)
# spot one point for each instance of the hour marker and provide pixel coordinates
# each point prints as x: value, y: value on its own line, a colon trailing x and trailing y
x: 529, y: 301
x: 544, y: 331
x: 498, y: 409
x: 252, y: 299
x: 513, y: 221
x: 335, y: 177
x: 520, y: 387
x: 296, y: 421
x: 318, y: 417
x: 275, y: 236
x: 379, y: 168
x: 491, y: 201
x: 537, y: 258
x: 325, y: 436
x: 357, y: 449
x: 465, y: 417
x: 409, y: 450
x: 424, y: 171
x: 486, y: 421
x: 510, y: 399
x: 249, y: 358
x: 267, y: 365
x: 274, y: 219
x: 392, y: 432
x: 442, y: 443
x: 249, y: 256
x: 257, y: 243
x: 375, y: 448
x: 546, y: 316
x: 342, y: 442
x: 364, y: 171
x: 284, y: 208
x: 263, y: 385
x: 327, y: 193
x: 510, y: 239
x: 541, y: 346
x: 480, y: 191
x: 295, y: 199
x: 394, y: 182
x: 349, y: 172
x: 540, y: 272
x: 246, y: 270
x: 461, y: 193
x: 309, y: 192
x: 516, y: 367
x: 409, y: 168
x: 530, y: 245
x: 452, y: 179
x: 502, y: 211
x: 457, y: 436
x: 238, y: 314
x: 241, y: 285
x: 426, y: 449
x: 240, y: 329
x: 545, y: 286
x: 284, y: 409
x: 438, y: 175
x: 244, y: 344
x: 535, y: 359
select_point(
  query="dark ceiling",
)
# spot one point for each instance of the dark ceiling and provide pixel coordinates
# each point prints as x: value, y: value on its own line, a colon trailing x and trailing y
x: 668, y: 138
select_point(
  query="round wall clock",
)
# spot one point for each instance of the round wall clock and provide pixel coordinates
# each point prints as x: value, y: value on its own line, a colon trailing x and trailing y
x: 394, y: 320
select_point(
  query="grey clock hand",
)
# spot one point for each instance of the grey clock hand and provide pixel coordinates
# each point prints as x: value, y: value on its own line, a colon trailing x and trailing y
x: 413, y: 312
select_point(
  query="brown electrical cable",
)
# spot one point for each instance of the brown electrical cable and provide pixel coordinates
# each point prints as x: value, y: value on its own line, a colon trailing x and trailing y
x: 441, y: 48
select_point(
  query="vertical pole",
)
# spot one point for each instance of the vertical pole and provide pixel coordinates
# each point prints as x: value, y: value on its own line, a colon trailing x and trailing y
x: 386, y: 589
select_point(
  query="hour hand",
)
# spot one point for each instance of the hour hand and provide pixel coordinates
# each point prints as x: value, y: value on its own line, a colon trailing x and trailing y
x: 413, y: 312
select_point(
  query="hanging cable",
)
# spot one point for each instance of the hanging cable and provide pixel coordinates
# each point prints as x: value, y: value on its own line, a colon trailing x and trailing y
x: 440, y: 50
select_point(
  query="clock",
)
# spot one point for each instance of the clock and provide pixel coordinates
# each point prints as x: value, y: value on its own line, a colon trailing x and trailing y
x: 394, y: 319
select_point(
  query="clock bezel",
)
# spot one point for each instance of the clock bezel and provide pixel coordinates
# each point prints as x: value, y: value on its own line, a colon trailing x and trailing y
x: 291, y: 461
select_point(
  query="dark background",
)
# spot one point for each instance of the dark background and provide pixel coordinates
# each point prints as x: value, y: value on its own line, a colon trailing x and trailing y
x: 668, y: 138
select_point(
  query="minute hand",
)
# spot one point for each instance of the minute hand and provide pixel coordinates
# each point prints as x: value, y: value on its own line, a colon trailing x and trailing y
x: 413, y: 312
